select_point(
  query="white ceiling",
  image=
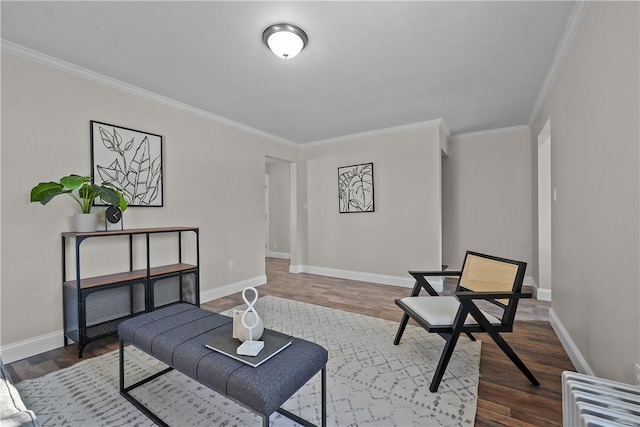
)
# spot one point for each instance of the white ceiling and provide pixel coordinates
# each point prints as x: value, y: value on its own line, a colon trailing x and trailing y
x: 368, y: 65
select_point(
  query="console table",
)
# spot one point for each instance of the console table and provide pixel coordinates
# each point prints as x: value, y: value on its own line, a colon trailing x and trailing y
x: 94, y: 306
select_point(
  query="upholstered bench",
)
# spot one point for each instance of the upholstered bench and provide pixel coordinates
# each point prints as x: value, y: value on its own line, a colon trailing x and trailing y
x: 177, y: 334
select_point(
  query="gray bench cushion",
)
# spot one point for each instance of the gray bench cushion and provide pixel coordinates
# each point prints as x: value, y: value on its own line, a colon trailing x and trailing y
x: 176, y: 335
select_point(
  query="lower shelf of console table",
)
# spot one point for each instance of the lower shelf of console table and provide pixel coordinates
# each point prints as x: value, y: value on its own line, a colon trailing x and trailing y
x: 102, y: 307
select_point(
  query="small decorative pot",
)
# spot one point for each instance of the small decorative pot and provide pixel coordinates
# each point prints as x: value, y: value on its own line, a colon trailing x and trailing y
x: 85, y: 222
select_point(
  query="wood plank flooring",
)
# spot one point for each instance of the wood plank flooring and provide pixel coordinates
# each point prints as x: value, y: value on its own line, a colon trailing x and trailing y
x: 505, y: 396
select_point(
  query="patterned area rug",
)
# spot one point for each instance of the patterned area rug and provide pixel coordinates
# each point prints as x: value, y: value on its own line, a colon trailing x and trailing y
x: 370, y: 381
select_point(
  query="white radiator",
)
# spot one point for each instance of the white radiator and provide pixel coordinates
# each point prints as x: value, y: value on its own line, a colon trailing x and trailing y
x: 595, y: 402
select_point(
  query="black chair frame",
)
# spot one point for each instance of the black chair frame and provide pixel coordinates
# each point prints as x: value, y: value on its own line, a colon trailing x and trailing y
x: 467, y: 306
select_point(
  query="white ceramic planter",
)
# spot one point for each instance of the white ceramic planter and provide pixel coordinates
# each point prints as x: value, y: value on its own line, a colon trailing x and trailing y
x: 85, y: 222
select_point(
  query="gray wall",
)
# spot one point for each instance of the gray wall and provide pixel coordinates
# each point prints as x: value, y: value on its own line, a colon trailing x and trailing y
x: 594, y: 109
x: 486, y: 196
x: 404, y: 232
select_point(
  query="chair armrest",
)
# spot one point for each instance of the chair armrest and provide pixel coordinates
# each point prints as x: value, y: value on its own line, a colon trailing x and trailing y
x: 435, y: 273
x: 491, y: 295
x: 422, y: 282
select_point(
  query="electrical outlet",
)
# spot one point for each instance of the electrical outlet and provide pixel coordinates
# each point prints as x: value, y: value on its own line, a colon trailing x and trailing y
x: 231, y: 265
x: 637, y: 374
x: 275, y: 245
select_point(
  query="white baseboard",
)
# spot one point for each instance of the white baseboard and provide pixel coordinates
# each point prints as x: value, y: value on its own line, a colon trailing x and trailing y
x: 232, y: 288
x: 406, y: 282
x: 281, y: 255
x: 32, y: 346
x: 569, y: 346
x: 541, y: 294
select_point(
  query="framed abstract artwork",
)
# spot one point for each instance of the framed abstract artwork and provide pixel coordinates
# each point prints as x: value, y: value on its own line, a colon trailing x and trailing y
x: 355, y: 188
x: 129, y: 159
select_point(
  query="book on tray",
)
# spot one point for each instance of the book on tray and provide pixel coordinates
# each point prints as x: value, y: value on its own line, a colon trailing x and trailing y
x: 274, y: 343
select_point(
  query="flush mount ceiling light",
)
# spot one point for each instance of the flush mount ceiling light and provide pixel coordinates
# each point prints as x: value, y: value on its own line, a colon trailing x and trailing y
x: 285, y: 40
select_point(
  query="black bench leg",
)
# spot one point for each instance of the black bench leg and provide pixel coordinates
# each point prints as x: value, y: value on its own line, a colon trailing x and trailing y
x: 121, y: 362
x: 323, y: 421
x: 125, y: 391
x: 323, y: 408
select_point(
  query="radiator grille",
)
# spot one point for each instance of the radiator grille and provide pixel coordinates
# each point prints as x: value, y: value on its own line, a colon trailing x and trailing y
x: 596, y: 402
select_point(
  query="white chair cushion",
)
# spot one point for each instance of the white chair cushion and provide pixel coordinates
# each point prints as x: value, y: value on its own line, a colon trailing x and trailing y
x: 441, y: 310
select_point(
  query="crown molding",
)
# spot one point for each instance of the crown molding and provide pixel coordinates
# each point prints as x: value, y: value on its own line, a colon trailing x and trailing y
x: 50, y: 61
x: 569, y: 33
x: 491, y: 131
x: 445, y: 128
x: 426, y: 124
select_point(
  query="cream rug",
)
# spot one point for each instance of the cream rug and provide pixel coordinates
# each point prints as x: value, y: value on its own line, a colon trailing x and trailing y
x: 370, y: 381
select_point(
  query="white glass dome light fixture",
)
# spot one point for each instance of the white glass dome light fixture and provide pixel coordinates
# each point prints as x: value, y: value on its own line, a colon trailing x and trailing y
x: 285, y: 40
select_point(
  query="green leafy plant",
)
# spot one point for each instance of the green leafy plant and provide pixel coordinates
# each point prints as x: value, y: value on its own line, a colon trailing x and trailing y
x: 80, y: 189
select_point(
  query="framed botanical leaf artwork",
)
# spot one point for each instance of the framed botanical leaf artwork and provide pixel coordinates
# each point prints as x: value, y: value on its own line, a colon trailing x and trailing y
x: 355, y: 188
x: 130, y: 160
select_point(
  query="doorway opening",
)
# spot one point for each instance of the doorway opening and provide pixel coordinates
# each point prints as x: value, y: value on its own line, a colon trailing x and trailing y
x: 280, y: 212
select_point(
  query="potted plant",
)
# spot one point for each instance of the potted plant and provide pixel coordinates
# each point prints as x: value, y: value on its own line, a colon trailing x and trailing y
x: 83, y: 191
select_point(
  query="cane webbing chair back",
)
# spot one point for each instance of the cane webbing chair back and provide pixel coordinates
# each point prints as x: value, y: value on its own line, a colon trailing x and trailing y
x: 483, y: 273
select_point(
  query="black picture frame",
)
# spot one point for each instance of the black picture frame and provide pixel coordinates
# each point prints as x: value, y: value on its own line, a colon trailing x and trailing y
x: 355, y: 188
x: 129, y: 159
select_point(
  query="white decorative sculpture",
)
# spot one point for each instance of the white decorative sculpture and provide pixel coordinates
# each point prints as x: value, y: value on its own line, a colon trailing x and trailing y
x: 240, y: 332
x: 250, y: 321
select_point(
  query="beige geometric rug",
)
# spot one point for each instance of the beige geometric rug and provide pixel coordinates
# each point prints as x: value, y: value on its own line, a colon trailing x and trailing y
x: 370, y: 381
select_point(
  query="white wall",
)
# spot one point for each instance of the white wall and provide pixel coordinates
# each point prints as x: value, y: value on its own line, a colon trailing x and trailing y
x: 213, y: 177
x: 594, y: 108
x: 486, y: 193
x: 403, y: 233
x: 278, y: 209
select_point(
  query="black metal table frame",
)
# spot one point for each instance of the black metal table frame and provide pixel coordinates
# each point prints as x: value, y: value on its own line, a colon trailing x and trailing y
x: 124, y: 391
x: 148, y: 280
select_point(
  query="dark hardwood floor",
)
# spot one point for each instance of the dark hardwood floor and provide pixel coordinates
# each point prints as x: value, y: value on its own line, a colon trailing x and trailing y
x: 505, y: 396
